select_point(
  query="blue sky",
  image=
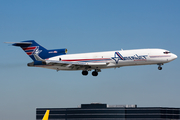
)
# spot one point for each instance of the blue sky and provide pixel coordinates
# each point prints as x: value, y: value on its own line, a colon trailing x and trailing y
x: 87, y: 26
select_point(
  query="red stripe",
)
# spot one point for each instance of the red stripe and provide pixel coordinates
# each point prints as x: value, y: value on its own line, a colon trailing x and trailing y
x: 119, y: 55
x: 161, y: 56
x: 140, y: 60
x: 29, y: 48
x: 85, y: 59
x: 28, y: 53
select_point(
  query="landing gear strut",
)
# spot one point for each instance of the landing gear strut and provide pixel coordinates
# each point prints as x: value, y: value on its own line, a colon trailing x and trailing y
x: 159, y: 67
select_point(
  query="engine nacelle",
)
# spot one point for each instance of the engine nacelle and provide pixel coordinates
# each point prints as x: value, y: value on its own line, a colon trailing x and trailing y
x: 59, y: 51
x: 36, y: 63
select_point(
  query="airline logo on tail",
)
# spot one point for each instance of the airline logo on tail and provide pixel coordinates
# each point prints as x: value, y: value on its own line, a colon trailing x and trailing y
x: 117, y: 57
x: 46, y: 115
x: 32, y: 50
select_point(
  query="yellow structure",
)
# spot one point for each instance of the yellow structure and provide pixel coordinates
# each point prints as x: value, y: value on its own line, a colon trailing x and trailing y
x: 46, y: 115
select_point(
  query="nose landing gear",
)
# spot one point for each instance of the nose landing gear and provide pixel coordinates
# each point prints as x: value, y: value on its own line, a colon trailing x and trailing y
x: 159, y: 67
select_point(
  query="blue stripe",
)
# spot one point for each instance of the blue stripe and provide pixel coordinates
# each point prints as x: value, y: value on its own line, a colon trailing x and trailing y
x: 120, y: 56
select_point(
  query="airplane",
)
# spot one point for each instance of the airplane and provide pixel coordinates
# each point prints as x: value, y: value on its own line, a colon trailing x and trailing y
x: 46, y: 115
x: 57, y: 59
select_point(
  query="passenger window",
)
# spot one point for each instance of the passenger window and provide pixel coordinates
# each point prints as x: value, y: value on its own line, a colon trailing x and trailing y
x: 59, y: 59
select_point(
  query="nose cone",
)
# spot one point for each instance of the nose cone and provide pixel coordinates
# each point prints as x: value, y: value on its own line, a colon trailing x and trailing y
x: 174, y: 56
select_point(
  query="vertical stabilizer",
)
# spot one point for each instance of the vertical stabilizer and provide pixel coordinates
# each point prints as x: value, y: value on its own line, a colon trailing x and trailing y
x: 46, y: 115
x: 32, y: 48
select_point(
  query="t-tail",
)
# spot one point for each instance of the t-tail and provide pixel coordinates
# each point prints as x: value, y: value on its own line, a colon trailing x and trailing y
x: 46, y: 115
x: 33, y: 49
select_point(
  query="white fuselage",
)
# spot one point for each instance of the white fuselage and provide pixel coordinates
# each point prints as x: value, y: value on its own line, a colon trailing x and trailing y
x: 115, y: 59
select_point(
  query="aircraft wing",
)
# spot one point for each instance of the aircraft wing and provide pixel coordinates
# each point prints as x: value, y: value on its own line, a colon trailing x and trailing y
x: 72, y: 65
x: 75, y: 65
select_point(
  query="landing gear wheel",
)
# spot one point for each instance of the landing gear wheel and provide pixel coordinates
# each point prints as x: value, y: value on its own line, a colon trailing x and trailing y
x: 84, y: 72
x: 94, y: 73
x: 159, y: 68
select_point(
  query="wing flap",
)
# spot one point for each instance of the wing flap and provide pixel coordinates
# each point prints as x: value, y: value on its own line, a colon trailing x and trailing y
x: 75, y: 65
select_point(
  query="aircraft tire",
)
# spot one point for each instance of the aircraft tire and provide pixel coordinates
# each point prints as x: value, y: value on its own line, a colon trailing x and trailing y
x: 159, y: 68
x: 84, y: 72
x: 94, y: 73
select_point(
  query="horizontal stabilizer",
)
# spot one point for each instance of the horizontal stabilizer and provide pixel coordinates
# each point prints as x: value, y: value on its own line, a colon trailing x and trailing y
x: 19, y: 43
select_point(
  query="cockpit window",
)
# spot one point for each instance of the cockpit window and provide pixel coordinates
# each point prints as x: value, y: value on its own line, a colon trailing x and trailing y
x: 167, y: 52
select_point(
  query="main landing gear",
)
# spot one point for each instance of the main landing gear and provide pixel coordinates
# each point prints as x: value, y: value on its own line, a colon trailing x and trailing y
x: 85, y: 72
x: 94, y: 73
x: 159, y: 67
